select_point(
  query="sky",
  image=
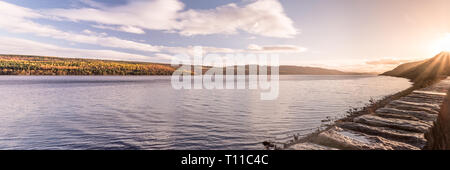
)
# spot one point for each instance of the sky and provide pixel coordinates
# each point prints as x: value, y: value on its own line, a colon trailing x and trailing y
x: 349, y: 35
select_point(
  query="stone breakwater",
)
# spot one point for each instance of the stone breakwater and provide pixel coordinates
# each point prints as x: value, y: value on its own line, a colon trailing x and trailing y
x: 399, y: 125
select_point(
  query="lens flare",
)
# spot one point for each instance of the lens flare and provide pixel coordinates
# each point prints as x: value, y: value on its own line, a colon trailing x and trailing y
x: 442, y: 45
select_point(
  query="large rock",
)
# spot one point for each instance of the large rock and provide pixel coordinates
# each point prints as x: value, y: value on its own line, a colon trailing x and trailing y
x: 428, y: 95
x: 442, y: 86
x: 408, y: 125
x: 396, y: 116
x: 431, y: 93
x: 418, y: 100
x: 411, y: 108
x: 437, y: 99
x: 418, y: 114
x: 417, y: 105
x: 351, y: 140
x: 309, y: 146
x: 412, y: 138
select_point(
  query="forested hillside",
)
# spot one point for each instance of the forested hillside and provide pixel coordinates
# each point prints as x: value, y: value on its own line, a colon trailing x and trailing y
x: 37, y: 65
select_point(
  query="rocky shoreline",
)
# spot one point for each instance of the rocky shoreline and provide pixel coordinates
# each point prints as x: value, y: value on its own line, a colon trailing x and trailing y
x: 401, y: 124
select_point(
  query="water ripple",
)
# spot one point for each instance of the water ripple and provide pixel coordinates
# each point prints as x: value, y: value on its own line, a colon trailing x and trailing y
x: 133, y: 113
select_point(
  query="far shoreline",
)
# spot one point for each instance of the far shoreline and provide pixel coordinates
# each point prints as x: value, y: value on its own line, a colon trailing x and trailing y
x: 43, y: 65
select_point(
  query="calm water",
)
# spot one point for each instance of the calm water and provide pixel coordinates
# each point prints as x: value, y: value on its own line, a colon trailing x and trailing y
x: 146, y: 113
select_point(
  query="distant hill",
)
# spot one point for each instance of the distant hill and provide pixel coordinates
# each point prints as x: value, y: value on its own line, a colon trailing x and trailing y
x: 298, y: 70
x: 39, y: 65
x: 429, y: 69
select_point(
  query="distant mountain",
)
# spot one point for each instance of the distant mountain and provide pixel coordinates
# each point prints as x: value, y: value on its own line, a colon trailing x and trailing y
x: 295, y: 70
x: 39, y: 65
x: 298, y: 70
x: 419, y: 71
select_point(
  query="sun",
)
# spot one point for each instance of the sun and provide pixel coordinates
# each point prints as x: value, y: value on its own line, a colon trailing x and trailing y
x: 442, y: 44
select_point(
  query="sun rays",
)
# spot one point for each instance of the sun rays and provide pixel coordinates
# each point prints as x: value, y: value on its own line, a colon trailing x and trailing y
x: 434, y: 68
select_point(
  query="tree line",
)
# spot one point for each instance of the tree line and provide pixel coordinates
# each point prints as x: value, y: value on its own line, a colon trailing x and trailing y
x: 38, y: 65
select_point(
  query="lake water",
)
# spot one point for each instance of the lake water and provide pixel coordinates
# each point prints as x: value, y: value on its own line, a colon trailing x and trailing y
x: 76, y: 112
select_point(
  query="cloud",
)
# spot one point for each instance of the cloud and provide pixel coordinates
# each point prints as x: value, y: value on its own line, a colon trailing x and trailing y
x: 387, y: 62
x: 252, y: 48
x: 18, y: 46
x: 189, y: 50
x: 89, y: 32
x: 262, y: 17
x: 151, y: 14
x: 129, y: 29
x: 276, y: 48
x: 164, y: 56
x: 19, y: 20
x: 8, y: 10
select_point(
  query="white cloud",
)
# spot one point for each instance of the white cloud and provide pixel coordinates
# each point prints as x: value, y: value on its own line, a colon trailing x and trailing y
x: 276, y: 48
x: 261, y: 17
x: 129, y: 29
x: 89, y: 32
x: 164, y: 56
x: 19, y: 46
x: 151, y: 14
x: 252, y: 48
x: 190, y: 50
x: 18, y: 19
x: 8, y: 10
x: 387, y: 61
